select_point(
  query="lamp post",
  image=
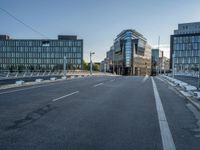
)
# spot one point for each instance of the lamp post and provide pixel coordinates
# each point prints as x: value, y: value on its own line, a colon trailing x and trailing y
x: 91, y: 53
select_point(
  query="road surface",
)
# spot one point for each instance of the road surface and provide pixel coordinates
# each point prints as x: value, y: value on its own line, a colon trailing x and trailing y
x: 98, y: 113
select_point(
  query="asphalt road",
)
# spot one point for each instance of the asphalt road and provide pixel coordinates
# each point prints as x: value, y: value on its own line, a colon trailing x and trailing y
x: 98, y: 113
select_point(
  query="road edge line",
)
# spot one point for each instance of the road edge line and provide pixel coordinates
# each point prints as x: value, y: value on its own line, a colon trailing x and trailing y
x: 167, y: 139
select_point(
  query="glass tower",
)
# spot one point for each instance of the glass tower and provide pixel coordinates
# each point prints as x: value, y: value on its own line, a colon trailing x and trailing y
x: 132, y: 53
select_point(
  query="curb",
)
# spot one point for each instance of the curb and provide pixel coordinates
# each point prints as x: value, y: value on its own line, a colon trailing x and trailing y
x: 25, y: 84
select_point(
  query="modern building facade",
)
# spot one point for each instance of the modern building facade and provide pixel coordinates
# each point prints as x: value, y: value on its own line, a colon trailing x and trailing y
x: 37, y: 54
x: 160, y: 63
x: 166, y: 64
x: 132, y: 54
x: 157, y: 60
x: 105, y: 65
x: 185, y: 45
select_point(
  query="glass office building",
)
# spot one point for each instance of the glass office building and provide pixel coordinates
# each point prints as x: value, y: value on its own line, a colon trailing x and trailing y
x: 157, y: 60
x: 132, y: 54
x: 185, y: 45
x: 45, y: 54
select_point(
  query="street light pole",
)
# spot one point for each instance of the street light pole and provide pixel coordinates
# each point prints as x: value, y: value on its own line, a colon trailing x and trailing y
x: 91, y: 53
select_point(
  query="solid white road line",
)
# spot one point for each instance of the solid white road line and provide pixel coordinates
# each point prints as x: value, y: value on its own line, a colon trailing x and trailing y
x: 65, y: 96
x: 167, y: 139
x: 98, y: 84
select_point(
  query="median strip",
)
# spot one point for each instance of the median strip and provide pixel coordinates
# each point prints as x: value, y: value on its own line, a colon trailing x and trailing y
x: 97, y: 84
x: 65, y: 96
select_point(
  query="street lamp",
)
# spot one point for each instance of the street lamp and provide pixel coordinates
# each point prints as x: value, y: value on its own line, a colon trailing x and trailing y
x: 91, y: 53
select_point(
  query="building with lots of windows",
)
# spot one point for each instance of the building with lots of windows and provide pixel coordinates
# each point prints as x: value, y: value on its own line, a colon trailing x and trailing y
x: 40, y: 54
x: 132, y: 54
x: 160, y: 63
x: 185, y: 45
x: 107, y: 65
x: 157, y: 60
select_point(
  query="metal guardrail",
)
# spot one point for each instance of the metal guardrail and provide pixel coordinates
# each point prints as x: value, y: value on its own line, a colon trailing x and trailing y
x: 25, y: 74
x: 190, y: 78
x: 187, y: 74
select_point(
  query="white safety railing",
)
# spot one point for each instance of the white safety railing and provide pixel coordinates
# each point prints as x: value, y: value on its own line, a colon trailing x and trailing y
x: 23, y: 74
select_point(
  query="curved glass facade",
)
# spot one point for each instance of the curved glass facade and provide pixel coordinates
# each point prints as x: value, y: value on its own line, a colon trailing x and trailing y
x: 132, y: 54
x: 128, y: 52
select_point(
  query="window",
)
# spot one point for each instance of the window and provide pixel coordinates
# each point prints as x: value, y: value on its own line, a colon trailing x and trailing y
x: 45, y: 43
x: 195, y: 46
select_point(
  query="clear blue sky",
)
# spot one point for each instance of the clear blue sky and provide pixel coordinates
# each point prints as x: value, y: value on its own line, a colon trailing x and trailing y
x: 98, y: 21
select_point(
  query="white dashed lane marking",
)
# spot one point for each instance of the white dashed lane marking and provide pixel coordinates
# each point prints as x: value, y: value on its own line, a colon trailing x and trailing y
x: 65, y: 96
x: 98, y: 84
